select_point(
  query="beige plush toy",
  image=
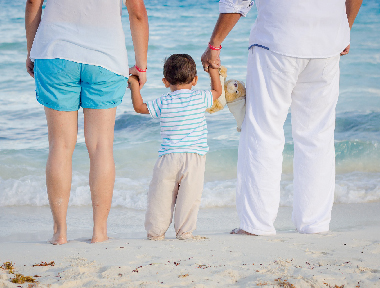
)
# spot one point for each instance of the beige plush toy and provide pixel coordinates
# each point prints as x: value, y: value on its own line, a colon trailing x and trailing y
x: 235, y: 98
x: 221, y: 101
x: 233, y: 94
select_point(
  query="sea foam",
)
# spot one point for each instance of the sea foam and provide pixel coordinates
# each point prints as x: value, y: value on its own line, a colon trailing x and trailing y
x: 355, y: 187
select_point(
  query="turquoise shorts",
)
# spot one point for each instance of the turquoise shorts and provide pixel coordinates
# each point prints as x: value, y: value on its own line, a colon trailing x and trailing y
x: 66, y: 85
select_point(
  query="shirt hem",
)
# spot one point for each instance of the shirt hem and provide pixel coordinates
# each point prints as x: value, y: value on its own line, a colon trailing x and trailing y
x: 169, y: 152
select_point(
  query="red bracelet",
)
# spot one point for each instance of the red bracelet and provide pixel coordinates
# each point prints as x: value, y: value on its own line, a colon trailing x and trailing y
x: 139, y: 69
x: 213, y: 47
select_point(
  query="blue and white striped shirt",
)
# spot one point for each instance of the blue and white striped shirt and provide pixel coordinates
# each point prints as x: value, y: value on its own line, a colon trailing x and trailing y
x: 182, y: 120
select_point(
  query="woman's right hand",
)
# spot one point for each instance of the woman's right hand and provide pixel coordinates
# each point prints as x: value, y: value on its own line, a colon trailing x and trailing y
x: 30, y: 66
x: 140, y: 75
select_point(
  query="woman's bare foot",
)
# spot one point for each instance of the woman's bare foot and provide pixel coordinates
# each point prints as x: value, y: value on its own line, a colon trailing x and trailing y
x: 99, y: 239
x: 241, y: 232
x: 99, y: 235
x: 59, y: 236
x: 58, y: 239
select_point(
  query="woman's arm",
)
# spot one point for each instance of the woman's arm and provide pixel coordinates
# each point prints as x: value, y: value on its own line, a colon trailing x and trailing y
x: 33, y: 12
x: 138, y: 20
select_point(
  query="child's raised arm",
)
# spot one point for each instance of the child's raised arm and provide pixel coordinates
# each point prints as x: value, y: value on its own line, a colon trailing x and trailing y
x: 216, y: 86
x: 137, y: 101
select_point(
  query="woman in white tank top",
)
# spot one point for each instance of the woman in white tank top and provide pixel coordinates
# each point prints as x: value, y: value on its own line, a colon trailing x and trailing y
x: 77, y: 55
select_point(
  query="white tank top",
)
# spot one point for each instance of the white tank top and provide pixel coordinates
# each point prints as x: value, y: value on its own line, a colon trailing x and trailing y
x: 84, y: 31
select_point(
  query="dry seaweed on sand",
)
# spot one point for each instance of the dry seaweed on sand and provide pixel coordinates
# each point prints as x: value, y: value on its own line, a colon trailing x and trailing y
x: 8, y: 266
x: 284, y: 283
x: 45, y: 264
x: 21, y: 279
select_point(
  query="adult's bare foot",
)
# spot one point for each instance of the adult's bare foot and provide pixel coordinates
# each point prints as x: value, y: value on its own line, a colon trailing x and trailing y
x: 59, y: 236
x: 99, y: 236
x: 241, y: 232
x: 99, y: 239
x: 58, y: 239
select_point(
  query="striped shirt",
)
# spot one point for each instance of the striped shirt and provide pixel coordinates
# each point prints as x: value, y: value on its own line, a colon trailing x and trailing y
x: 182, y: 120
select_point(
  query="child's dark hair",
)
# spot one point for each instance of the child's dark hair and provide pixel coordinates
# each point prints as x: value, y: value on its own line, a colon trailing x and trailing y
x: 180, y: 69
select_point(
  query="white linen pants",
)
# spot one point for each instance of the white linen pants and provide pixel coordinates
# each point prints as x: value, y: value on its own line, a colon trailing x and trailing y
x: 311, y: 88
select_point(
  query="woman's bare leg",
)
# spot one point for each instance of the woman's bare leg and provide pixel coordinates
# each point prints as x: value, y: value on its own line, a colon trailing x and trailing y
x: 62, y: 129
x: 99, y: 132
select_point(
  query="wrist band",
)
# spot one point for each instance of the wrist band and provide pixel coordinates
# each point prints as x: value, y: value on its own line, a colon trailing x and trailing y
x: 213, y: 47
x: 139, y: 69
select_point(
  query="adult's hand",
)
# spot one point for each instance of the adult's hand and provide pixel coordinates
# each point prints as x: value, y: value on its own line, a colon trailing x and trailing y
x: 30, y: 66
x: 352, y: 10
x: 345, y: 51
x: 210, y: 58
x: 140, y: 75
x: 33, y: 12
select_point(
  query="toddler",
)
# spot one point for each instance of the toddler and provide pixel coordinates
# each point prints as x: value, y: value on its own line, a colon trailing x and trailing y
x: 179, y: 171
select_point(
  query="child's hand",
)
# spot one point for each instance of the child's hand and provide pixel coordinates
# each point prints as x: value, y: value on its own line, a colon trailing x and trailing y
x: 141, y: 76
x: 133, y: 80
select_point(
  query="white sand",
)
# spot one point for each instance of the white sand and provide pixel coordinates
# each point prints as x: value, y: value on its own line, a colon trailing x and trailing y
x: 349, y: 255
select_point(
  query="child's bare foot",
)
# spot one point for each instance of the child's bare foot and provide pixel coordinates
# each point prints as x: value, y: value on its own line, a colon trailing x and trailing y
x: 190, y: 236
x: 156, y: 238
x: 241, y: 232
x: 58, y: 239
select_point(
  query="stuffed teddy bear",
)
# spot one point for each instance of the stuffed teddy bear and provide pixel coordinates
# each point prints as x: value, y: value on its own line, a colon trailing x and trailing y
x: 235, y: 98
x: 233, y: 94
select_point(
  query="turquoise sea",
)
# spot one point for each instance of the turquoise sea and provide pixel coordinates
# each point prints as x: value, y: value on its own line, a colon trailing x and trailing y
x: 23, y: 130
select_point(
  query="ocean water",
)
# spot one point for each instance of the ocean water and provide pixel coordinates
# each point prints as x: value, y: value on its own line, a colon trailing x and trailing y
x: 23, y: 130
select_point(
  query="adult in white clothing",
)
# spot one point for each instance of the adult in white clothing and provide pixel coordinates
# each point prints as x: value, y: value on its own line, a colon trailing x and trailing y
x: 78, y: 57
x: 293, y: 62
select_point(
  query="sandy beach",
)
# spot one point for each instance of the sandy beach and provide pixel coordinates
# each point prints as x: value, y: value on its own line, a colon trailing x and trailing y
x: 347, y: 256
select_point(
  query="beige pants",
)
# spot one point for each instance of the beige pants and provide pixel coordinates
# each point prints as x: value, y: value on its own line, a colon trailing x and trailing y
x: 177, y: 182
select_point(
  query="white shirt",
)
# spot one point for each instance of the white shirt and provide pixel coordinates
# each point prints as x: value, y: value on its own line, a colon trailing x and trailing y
x: 182, y: 120
x: 84, y: 31
x: 296, y: 28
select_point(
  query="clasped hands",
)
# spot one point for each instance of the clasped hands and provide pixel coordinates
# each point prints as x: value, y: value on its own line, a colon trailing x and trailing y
x: 210, y: 58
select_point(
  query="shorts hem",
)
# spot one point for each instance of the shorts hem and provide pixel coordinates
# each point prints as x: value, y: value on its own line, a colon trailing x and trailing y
x: 55, y: 107
x: 102, y: 107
